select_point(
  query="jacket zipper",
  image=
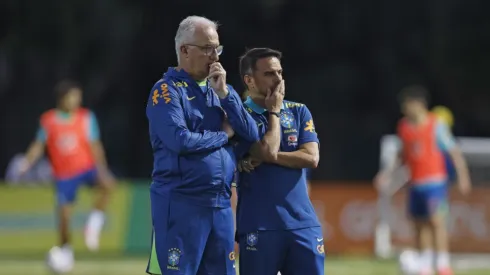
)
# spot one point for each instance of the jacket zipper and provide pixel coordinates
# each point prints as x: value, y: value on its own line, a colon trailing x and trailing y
x: 208, y: 104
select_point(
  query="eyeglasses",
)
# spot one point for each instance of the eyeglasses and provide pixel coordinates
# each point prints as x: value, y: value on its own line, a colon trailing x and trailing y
x: 209, y: 50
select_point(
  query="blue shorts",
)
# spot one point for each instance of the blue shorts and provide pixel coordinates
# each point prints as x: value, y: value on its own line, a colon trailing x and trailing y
x: 427, y: 201
x: 66, y: 189
x: 190, y: 239
x: 292, y: 252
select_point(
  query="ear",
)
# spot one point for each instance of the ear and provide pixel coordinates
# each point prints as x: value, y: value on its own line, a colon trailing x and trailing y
x: 183, y: 50
x: 249, y: 81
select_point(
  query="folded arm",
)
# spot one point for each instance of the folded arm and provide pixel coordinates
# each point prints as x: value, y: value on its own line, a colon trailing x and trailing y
x: 307, y: 156
x: 240, y: 120
x: 267, y: 148
x: 166, y: 119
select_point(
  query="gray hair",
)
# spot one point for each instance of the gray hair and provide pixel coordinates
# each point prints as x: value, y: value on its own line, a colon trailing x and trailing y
x: 186, y: 30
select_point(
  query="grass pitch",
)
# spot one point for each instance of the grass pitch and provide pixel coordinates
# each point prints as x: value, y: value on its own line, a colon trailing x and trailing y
x: 137, y: 266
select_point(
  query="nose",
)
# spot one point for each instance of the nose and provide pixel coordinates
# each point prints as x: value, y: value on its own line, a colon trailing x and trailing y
x: 278, y: 77
x: 214, y: 56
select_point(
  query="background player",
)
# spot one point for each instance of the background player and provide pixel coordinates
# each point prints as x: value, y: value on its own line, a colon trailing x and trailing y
x: 445, y: 116
x: 424, y: 140
x: 71, y: 135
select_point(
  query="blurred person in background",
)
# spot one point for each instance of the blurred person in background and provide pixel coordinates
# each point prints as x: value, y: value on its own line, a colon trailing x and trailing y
x: 278, y: 230
x: 446, y: 117
x: 70, y: 134
x: 424, y: 140
x: 193, y: 114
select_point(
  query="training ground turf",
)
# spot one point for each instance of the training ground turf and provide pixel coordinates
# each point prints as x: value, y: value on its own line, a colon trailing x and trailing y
x: 132, y: 266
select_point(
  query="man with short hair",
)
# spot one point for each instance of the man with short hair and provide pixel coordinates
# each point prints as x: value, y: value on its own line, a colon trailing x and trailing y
x: 70, y: 134
x: 277, y: 228
x: 425, y: 140
x: 192, y: 116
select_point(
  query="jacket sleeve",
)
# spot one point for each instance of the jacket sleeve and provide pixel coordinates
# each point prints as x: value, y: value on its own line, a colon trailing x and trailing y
x: 166, y: 119
x: 240, y: 120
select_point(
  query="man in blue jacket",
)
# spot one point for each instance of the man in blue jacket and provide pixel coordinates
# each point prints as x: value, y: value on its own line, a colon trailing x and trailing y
x: 192, y: 116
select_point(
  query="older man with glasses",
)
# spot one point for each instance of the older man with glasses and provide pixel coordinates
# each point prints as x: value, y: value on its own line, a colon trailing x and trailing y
x: 192, y: 116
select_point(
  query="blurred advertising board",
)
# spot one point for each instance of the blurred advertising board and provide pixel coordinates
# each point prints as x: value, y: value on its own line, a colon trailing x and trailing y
x: 138, y: 236
x: 28, y: 222
x: 348, y: 213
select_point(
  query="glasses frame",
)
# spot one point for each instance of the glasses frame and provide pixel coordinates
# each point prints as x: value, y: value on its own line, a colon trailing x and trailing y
x: 209, y: 50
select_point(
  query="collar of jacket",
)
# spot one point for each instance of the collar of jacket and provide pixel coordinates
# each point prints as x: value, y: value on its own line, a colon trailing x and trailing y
x: 178, y: 74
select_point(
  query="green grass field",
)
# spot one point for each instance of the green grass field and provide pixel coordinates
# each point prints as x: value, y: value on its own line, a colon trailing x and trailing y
x: 336, y: 266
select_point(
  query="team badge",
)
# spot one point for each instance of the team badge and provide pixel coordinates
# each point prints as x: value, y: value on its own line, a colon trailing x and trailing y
x: 67, y: 143
x: 417, y: 148
x: 310, y: 126
x: 292, y: 140
x: 288, y: 131
x: 173, y: 258
x: 320, y: 248
x: 232, y: 256
x: 287, y: 120
x: 155, y: 98
x: 252, y: 240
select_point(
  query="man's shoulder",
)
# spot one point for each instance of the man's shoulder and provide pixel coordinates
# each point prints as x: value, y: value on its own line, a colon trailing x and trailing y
x: 230, y: 87
x: 164, y: 83
x: 48, y: 115
x: 250, y: 111
x: 49, y: 112
x: 402, y: 122
x: 294, y: 107
x: 84, y: 112
x: 169, y: 84
x: 293, y: 104
x: 161, y: 92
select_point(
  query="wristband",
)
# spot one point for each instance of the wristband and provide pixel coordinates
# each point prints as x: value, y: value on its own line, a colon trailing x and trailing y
x: 275, y: 113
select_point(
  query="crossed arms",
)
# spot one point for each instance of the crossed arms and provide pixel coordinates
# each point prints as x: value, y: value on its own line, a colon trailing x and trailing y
x: 167, y: 122
x: 267, y: 149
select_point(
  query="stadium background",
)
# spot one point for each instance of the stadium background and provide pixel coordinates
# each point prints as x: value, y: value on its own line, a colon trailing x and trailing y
x: 345, y: 59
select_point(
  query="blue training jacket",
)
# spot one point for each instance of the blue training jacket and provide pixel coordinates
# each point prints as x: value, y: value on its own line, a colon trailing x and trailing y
x: 193, y: 158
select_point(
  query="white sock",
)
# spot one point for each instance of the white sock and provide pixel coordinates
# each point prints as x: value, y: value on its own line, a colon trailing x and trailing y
x: 443, y: 260
x: 95, y: 221
x: 67, y: 252
x: 427, y: 259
